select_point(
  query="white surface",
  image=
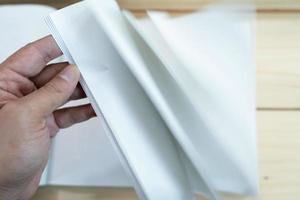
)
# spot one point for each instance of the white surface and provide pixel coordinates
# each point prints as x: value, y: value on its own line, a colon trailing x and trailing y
x: 20, y: 25
x: 207, y: 95
x: 184, y: 69
x: 216, y: 52
x: 82, y: 155
x: 146, y: 145
x: 216, y: 72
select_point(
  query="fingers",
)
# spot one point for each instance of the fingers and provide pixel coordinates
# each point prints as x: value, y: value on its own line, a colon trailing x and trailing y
x: 48, y: 73
x: 68, y: 116
x: 14, y: 83
x: 51, y: 71
x: 32, y: 58
x: 78, y: 93
x: 54, y: 94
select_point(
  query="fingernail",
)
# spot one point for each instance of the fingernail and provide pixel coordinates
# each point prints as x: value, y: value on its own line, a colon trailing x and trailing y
x: 69, y: 73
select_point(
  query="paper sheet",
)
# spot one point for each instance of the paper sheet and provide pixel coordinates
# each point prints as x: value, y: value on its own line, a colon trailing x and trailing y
x: 145, y: 144
x: 216, y: 49
x: 219, y: 131
x: 221, y: 88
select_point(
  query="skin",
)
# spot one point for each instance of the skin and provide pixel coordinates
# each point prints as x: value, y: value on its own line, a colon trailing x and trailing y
x: 31, y: 94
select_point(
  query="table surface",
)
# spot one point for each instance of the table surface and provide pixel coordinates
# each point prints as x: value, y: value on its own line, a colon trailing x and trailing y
x: 278, y: 100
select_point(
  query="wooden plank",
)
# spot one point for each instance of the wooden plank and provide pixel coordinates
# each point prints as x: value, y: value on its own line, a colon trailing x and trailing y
x: 174, y: 5
x: 279, y: 155
x: 279, y: 145
x: 84, y: 193
x: 196, y: 4
x: 278, y: 60
x: 279, y: 158
x: 53, y: 3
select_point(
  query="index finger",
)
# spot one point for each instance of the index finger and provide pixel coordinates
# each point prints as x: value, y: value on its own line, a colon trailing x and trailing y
x: 31, y: 59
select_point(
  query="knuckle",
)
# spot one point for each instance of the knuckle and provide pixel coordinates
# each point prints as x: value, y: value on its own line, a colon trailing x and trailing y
x: 33, y: 49
x: 30, y: 48
x: 51, y: 88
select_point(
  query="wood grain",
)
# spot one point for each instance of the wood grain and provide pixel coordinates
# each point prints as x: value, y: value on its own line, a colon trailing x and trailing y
x: 196, y: 4
x: 279, y: 147
x: 279, y: 161
x: 84, y: 193
x: 54, y: 3
x: 174, y: 5
x: 278, y: 60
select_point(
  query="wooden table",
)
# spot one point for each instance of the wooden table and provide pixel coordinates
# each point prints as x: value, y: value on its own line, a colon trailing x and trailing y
x: 278, y: 100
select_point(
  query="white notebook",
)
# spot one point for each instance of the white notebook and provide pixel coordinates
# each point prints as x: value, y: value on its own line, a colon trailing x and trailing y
x: 175, y: 95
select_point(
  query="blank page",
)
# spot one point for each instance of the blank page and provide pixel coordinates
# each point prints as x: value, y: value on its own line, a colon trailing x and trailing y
x: 144, y: 143
x: 173, y: 105
x: 209, y: 55
x: 215, y: 48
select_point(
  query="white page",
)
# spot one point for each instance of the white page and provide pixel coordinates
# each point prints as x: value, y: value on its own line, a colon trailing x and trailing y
x: 20, y: 25
x: 194, y: 40
x: 221, y: 123
x: 151, y: 75
x: 82, y: 155
x: 145, y: 143
x: 219, y: 55
x: 173, y: 105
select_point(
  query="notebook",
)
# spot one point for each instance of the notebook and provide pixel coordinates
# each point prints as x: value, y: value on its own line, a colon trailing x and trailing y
x: 175, y: 95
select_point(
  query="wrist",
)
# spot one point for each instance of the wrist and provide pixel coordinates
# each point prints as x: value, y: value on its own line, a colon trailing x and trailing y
x: 13, y: 190
x: 9, y: 193
x: 8, y: 188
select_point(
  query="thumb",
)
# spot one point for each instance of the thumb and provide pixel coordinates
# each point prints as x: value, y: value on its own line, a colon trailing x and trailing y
x: 55, y: 93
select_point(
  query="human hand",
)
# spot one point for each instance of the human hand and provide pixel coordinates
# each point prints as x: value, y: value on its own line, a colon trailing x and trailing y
x: 30, y: 96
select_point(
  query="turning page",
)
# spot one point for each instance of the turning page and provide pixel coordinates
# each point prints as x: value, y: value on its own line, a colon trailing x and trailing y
x: 144, y: 143
x: 210, y: 55
x: 155, y: 80
x: 209, y: 103
x: 176, y: 95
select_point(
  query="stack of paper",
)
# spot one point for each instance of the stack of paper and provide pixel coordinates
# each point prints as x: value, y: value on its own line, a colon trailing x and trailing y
x: 176, y: 96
